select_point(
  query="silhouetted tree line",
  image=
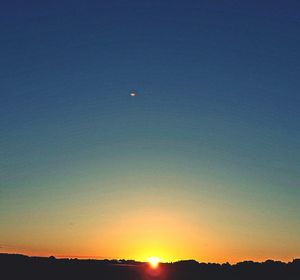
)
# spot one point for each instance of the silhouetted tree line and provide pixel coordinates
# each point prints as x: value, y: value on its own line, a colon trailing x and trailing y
x: 14, y: 266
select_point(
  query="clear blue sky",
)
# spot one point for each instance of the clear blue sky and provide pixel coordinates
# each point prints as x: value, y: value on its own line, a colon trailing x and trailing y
x: 215, y: 126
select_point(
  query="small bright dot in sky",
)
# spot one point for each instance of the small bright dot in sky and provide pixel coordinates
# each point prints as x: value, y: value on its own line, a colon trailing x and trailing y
x: 132, y: 93
x: 154, y: 261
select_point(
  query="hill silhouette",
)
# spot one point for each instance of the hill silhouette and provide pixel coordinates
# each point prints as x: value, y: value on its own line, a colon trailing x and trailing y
x: 16, y: 266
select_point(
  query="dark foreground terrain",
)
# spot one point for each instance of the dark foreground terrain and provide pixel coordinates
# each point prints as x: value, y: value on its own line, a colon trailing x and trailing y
x: 23, y: 267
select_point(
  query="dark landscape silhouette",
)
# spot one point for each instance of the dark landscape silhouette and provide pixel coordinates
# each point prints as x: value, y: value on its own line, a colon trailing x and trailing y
x: 16, y: 266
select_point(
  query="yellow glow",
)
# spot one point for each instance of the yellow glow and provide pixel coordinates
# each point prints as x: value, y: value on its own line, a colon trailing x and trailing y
x: 153, y: 233
x: 154, y: 261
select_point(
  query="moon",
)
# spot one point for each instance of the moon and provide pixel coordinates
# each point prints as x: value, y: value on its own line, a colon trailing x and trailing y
x: 132, y: 93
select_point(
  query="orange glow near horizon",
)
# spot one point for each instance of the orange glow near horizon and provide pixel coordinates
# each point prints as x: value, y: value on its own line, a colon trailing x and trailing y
x: 168, y: 233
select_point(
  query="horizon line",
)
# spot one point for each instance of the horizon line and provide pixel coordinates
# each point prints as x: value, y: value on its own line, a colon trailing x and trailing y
x: 101, y: 258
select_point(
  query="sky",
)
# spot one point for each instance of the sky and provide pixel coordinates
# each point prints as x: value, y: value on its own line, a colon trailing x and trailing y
x: 203, y: 163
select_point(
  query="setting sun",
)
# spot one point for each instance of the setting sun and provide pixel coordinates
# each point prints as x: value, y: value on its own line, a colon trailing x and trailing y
x: 154, y: 262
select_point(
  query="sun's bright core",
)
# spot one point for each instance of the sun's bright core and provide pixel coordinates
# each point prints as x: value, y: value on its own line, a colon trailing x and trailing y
x: 154, y: 261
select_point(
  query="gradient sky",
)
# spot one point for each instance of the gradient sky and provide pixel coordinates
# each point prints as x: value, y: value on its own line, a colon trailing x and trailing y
x: 203, y: 163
